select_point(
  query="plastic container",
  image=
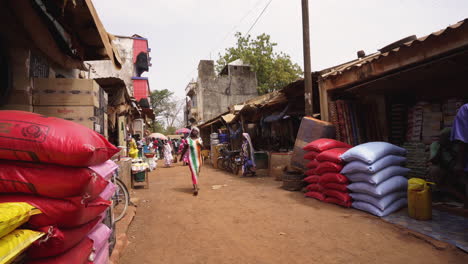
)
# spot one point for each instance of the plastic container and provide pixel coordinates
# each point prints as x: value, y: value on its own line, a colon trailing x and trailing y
x: 223, y: 138
x: 214, y: 135
x: 419, y: 199
x: 139, y: 176
x: 214, y: 141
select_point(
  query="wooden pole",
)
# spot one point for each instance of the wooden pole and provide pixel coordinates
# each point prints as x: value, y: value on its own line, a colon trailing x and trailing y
x: 307, y: 67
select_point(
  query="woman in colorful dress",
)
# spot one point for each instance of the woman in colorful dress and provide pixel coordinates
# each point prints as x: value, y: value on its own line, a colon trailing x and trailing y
x: 247, y: 154
x: 193, y: 149
x: 183, y: 143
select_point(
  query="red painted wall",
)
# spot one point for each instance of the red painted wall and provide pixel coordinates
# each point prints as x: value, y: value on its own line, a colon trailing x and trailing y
x: 139, y: 45
x: 140, y: 89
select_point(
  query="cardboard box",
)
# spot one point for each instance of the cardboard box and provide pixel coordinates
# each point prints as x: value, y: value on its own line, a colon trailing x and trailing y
x: 88, y: 116
x: 106, y: 126
x: 66, y: 92
x: 19, y: 107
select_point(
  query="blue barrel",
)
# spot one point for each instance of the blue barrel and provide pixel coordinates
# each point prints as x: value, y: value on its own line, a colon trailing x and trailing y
x: 223, y: 138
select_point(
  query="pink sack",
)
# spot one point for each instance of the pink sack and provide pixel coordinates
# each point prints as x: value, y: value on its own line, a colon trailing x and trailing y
x: 312, y: 179
x: 105, y: 169
x: 333, y: 177
x: 31, y: 137
x: 108, y: 191
x: 99, y: 235
x: 59, y: 240
x: 324, y: 144
x: 64, y: 213
x: 332, y: 155
x: 102, y: 256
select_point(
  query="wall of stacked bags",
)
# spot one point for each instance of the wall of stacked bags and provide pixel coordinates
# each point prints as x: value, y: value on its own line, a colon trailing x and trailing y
x: 58, y: 174
x: 369, y: 177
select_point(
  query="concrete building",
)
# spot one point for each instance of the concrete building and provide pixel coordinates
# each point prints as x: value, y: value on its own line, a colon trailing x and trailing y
x: 212, y: 94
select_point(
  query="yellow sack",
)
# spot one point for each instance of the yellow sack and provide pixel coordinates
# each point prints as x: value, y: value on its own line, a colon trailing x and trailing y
x: 12, y: 215
x: 13, y: 244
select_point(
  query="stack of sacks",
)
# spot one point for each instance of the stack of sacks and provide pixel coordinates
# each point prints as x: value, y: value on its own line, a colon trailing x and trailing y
x: 58, y: 183
x: 325, y: 181
x: 13, y: 241
x: 378, y: 182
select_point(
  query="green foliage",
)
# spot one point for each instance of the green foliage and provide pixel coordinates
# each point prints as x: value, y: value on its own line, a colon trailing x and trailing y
x: 160, y: 100
x: 274, y: 69
x: 157, y: 127
x: 170, y: 130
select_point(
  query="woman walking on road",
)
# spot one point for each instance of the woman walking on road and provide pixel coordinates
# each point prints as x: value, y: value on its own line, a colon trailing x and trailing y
x: 193, y: 148
x: 167, y: 154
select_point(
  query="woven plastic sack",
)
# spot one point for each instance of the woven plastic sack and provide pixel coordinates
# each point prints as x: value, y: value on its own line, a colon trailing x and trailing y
x: 65, y: 213
x: 99, y: 235
x: 312, y: 179
x: 15, y: 243
x: 378, y: 177
x: 79, y: 254
x: 387, y: 161
x: 326, y: 167
x: 312, y: 164
x: 333, y: 177
x: 381, y: 203
x: 372, y: 151
x: 310, y: 155
x: 57, y: 240
x: 332, y: 155
x: 317, y: 195
x: 333, y: 200
x: 367, y: 207
x: 13, y: 215
x: 309, y: 172
x: 314, y: 187
x: 49, y: 180
x: 342, y: 196
x: 102, y: 256
x: 108, y: 192
x: 105, y: 169
x: 394, y: 184
x: 335, y: 186
x: 31, y: 137
x: 323, y: 144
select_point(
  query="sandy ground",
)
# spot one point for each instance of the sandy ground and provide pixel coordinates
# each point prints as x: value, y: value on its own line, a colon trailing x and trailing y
x: 252, y: 220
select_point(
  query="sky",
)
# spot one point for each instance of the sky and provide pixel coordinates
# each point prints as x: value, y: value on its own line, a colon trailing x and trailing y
x: 183, y: 32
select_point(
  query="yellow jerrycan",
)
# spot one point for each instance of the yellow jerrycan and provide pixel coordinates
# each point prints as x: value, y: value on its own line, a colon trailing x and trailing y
x: 419, y: 199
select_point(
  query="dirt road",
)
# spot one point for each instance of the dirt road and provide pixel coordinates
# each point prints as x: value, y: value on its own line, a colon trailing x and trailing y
x: 252, y: 220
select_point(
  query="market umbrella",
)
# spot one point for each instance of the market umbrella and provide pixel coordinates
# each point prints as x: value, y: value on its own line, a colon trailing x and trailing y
x: 158, y: 136
x: 183, y: 131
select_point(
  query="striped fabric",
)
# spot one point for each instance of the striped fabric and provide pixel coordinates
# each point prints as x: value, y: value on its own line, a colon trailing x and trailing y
x: 194, y: 156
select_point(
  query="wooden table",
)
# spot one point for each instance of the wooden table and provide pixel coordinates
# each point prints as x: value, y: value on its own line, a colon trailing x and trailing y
x: 145, y: 183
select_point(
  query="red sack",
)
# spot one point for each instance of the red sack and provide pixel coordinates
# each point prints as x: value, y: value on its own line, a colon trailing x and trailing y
x: 77, y: 255
x: 58, y: 240
x: 328, y: 166
x: 336, y: 186
x: 333, y: 177
x: 332, y: 155
x: 49, y: 180
x: 310, y: 155
x: 338, y: 202
x: 342, y: 196
x: 310, y: 172
x: 316, y: 195
x: 65, y: 213
x: 312, y: 164
x: 314, y: 187
x: 31, y: 137
x: 312, y: 179
x: 324, y: 144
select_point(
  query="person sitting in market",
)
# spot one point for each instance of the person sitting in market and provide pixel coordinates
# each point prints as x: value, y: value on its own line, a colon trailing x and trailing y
x: 133, y: 149
x: 460, y: 137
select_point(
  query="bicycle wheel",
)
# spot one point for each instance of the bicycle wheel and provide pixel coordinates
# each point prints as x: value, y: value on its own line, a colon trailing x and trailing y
x: 120, y: 200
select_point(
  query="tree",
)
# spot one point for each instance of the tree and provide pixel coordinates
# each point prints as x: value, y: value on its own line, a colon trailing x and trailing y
x: 274, y: 69
x: 159, y: 100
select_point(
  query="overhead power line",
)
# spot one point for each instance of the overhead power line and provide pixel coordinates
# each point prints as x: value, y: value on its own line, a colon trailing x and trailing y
x: 258, y: 18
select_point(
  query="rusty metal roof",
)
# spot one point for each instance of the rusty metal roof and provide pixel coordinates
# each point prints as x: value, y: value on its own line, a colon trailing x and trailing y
x: 358, y: 63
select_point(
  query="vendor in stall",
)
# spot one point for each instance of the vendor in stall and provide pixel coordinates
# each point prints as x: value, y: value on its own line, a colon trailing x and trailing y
x: 460, y: 138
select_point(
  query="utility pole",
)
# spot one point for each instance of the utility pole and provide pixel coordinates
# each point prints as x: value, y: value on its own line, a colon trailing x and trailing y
x: 307, y: 69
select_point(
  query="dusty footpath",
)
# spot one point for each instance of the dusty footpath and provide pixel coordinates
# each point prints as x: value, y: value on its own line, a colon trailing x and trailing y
x: 252, y: 220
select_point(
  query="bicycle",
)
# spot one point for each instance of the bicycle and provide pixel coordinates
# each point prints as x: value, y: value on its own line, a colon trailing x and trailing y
x: 120, y: 199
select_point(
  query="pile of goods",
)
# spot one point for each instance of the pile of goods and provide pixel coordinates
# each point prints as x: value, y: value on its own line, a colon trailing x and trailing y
x: 324, y: 178
x: 378, y: 183
x: 61, y: 170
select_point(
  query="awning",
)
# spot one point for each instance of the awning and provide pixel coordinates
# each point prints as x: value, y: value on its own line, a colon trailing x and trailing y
x: 228, y: 118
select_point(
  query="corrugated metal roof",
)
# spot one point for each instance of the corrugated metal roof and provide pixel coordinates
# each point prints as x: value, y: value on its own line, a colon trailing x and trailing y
x: 378, y: 55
